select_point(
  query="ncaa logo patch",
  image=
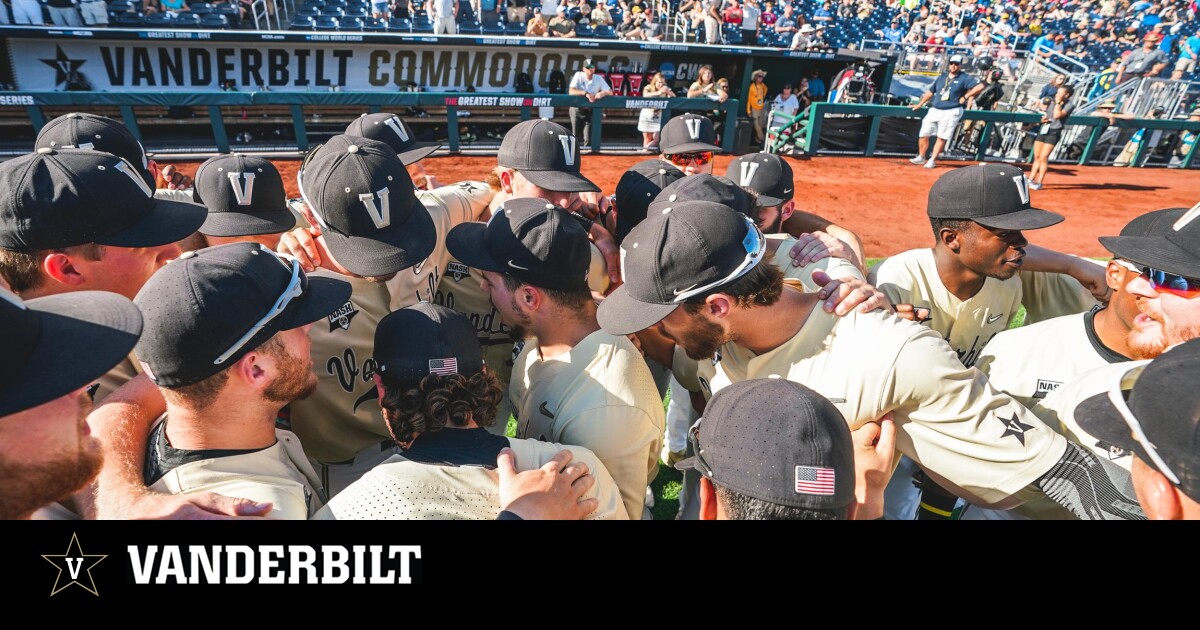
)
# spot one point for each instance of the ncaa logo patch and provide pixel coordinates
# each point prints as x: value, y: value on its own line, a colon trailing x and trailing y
x: 458, y: 270
x: 341, y: 317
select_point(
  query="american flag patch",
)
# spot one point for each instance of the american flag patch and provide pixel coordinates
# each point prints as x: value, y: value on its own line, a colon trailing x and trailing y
x: 445, y: 366
x: 812, y: 480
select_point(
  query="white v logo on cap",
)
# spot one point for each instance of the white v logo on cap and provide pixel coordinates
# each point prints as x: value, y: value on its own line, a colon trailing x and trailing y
x: 568, y: 147
x: 131, y: 173
x: 1022, y: 187
x: 748, y: 171
x: 380, y: 214
x: 244, y: 191
x: 1187, y: 218
x: 395, y: 125
x: 693, y: 127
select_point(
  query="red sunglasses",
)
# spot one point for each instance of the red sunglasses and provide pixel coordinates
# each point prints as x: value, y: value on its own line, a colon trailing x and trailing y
x: 682, y: 159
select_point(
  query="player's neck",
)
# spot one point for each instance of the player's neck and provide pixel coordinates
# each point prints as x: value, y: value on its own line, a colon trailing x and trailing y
x: 960, y: 281
x: 229, y: 423
x: 1112, y: 333
x: 765, y: 328
x: 558, y: 334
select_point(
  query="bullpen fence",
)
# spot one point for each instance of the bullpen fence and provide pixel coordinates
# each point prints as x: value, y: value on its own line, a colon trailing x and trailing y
x: 860, y: 129
x: 294, y: 110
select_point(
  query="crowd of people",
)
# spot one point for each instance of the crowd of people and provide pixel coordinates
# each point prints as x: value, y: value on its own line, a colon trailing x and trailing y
x: 358, y: 352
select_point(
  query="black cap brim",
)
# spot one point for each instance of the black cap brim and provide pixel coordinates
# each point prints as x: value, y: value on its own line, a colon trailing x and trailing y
x: 1029, y: 219
x: 560, y: 181
x: 465, y: 243
x: 105, y: 324
x: 691, y: 147
x: 688, y: 463
x: 385, y: 253
x: 239, y: 224
x: 621, y: 314
x: 324, y: 296
x: 1153, y: 251
x: 768, y: 202
x: 168, y: 222
x: 1101, y: 420
x: 418, y: 153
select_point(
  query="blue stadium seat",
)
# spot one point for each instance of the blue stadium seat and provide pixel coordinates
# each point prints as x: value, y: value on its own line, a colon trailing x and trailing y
x: 375, y: 25
x: 574, y: 14
x: 356, y: 12
x: 214, y: 21
x: 326, y: 23
x: 400, y: 24
x: 315, y: 4
x: 422, y: 25
x: 584, y: 30
x: 495, y: 27
x: 514, y: 29
x: 350, y: 24
x: 200, y: 8
x: 301, y: 23
x: 470, y: 27
x: 232, y: 12
x: 604, y: 32
x: 332, y: 12
x: 159, y: 20
x: 129, y: 20
x: 309, y: 11
x: 187, y: 19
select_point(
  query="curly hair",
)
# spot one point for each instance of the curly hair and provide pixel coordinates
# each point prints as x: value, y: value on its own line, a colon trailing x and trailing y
x: 440, y: 399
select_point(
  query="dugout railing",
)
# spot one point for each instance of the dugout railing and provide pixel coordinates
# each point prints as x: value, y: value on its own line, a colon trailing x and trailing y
x: 39, y: 107
x: 857, y: 129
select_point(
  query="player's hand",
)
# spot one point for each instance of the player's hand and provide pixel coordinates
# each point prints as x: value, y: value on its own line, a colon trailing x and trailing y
x: 915, y: 107
x: 201, y: 506
x: 301, y: 243
x: 1093, y: 278
x: 608, y: 248
x: 918, y: 314
x: 813, y: 246
x: 553, y: 492
x: 841, y: 296
x: 173, y: 179
x: 874, y: 454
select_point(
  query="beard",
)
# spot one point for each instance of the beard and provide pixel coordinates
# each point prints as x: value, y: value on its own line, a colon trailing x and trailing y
x: 52, y: 479
x: 519, y: 330
x: 703, y: 340
x: 296, y: 380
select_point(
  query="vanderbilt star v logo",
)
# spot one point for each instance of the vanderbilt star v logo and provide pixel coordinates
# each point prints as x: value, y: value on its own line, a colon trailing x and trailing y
x: 76, y: 565
x: 1015, y: 428
x: 63, y: 66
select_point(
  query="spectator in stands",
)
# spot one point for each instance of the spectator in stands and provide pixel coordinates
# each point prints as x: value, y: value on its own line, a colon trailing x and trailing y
x: 1187, y: 140
x: 403, y: 9
x: 1147, y: 61
x: 1046, y: 45
x: 786, y: 24
x: 537, y: 26
x: 588, y: 84
x: 825, y: 13
x: 712, y: 22
x: 750, y: 13
x: 651, y: 29
x: 630, y: 27
x: 732, y: 14
x: 443, y: 13
x: 517, y: 11
x: 818, y: 41
x: 816, y: 87
x: 693, y: 12
x: 650, y: 120
x: 705, y: 85
x: 561, y: 25
x: 1189, y: 51
x: 756, y: 105
x: 767, y: 17
x: 94, y: 12
x: 63, y: 13
x: 802, y: 95
x: 802, y: 38
x: 785, y: 102
x: 892, y: 33
x: 27, y: 12
x: 601, y: 16
x: 585, y: 10
x: 1046, y: 96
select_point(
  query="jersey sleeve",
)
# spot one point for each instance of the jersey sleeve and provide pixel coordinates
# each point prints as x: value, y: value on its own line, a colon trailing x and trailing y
x: 893, y: 280
x: 626, y: 440
x: 457, y: 203
x: 598, y: 279
x: 531, y: 454
x: 953, y: 423
x: 1049, y: 295
x: 288, y: 501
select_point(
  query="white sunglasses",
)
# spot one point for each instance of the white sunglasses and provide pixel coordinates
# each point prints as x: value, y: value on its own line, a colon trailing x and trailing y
x: 1116, y: 396
x: 295, y: 289
x: 755, y: 246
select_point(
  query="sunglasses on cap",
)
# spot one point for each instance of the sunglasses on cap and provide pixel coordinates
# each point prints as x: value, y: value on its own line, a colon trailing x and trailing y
x: 693, y: 438
x: 1165, y: 282
x: 1116, y: 395
x: 295, y: 288
x: 755, y: 246
x: 683, y: 159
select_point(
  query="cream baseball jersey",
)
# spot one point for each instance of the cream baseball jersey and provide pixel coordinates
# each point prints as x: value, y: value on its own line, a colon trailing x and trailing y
x: 601, y: 396
x: 342, y: 417
x: 449, y: 206
x: 948, y: 417
x: 967, y: 325
x: 1029, y: 362
x: 1057, y: 409
x: 399, y: 489
x: 279, y: 474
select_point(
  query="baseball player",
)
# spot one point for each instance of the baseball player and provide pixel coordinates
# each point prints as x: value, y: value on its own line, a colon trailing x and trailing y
x: 700, y: 278
x: 949, y: 93
x: 437, y: 397
x: 689, y: 142
x: 47, y: 452
x: 1155, y: 420
x: 83, y: 220
x: 391, y: 130
x: 753, y: 427
x: 572, y: 383
x: 224, y: 385
x: 1166, y: 292
x: 245, y: 200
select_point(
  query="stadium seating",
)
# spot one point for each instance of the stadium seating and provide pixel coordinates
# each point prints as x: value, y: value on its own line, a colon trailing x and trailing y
x: 495, y: 27
x: 302, y: 23
x: 400, y: 25
x: 604, y: 32
x: 129, y: 19
x: 214, y: 21
x: 350, y: 24
x: 186, y: 19
x: 232, y: 13
x: 421, y: 24
x: 159, y: 20
x: 584, y: 30
x: 375, y: 25
x: 514, y: 29
x: 200, y: 8
x: 326, y: 23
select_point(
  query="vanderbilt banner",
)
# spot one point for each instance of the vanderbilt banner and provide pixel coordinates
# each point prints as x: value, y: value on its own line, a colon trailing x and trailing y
x: 152, y: 66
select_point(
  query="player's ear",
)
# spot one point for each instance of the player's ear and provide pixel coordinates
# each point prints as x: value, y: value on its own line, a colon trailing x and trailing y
x: 719, y: 304
x: 950, y: 238
x: 506, y: 180
x: 786, y: 210
x: 1114, y: 276
x: 1158, y: 497
x: 708, y: 500
x: 61, y: 267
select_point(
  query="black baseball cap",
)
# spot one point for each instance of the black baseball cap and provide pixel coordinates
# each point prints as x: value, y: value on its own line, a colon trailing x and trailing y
x: 425, y: 339
x: 689, y: 250
x: 702, y: 187
x: 364, y: 203
x: 688, y: 133
x: 777, y: 441
x: 1165, y: 404
x: 546, y: 154
x: 637, y: 188
x: 56, y: 344
x: 77, y: 130
x: 1153, y: 223
x: 1177, y: 251
x: 528, y: 239
x: 766, y: 174
x: 62, y: 198
x: 202, y: 304
x: 992, y: 195
x: 390, y: 130
x: 244, y: 196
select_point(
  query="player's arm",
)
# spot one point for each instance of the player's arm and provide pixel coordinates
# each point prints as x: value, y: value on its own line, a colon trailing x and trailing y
x: 122, y: 423
x: 972, y: 93
x: 1090, y: 275
x: 624, y: 439
x: 874, y: 456
x: 801, y: 223
x: 925, y: 98
x: 554, y: 491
